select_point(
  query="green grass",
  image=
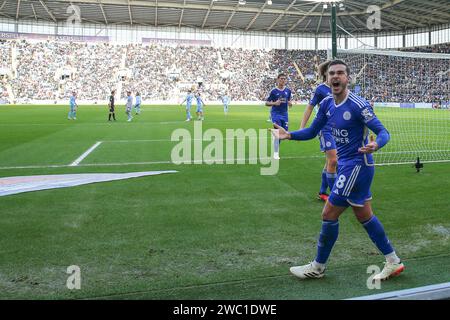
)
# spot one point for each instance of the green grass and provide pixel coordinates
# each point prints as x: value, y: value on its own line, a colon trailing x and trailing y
x: 206, y: 232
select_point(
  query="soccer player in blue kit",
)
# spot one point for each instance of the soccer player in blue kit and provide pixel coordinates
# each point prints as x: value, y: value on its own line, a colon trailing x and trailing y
x: 327, y: 144
x: 225, y: 101
x: 279, y: 99
x: 200, y: 105
x: 350, y: 117
x: 128, y: 106
x: 73, y: 107
x: 137, y: 106
x: 188, y: 99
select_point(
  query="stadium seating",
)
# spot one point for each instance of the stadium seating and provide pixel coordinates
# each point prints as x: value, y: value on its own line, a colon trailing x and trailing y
x: 247, y: 74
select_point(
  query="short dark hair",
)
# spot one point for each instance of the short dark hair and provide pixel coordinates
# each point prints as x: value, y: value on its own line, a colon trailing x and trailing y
x: 323, y: 68
x: 336, y: 62
x: 281, y: 75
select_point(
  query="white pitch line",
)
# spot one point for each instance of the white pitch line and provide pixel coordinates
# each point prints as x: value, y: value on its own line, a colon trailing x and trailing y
x: 144, y: 163
x: 84, y: 155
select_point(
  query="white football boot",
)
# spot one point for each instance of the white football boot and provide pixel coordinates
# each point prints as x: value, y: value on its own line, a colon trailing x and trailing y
x: 389, y: 270
x: 307, y: 271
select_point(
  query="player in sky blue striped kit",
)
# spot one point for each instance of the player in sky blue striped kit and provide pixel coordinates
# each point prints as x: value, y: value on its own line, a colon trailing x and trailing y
x: 129, y: 105
x: 226, y: 101
x: 73, y: 107
x: 137, y: 105
x: 279, y: 100
x: 200, y: 105
x: 188, y: 100
x: 327, y: 144
x: 350, y: 117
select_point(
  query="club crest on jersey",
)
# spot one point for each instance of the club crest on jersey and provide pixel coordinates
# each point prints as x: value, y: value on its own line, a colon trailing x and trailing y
x: 347, y: 115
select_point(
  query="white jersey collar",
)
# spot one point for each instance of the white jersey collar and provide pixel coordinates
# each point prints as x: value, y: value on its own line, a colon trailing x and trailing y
x: 344, y: 101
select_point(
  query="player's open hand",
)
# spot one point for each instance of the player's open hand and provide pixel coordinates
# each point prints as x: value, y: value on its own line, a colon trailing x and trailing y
x: 277, y: 103
x: 371, y: 147
x: 280, y: 133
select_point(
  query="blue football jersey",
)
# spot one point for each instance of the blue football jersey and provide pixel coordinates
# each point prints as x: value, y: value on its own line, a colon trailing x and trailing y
x: 138, y: 100
x: 284, y: 95
x: 189, y: 98
x: 199, y: 100
x: 72, y: 101
x: 129, y: 101
x: 320, y: 93
x: 225, y: 99
x: 349, y: 122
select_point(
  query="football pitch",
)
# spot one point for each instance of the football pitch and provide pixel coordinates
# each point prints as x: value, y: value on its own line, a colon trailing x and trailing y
x: 220, y: 231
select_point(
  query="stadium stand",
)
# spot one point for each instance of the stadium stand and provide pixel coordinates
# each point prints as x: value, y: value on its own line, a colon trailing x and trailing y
x: 50, y: 70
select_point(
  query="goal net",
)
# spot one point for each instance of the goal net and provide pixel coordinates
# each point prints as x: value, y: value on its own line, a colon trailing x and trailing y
x: 411, y: 94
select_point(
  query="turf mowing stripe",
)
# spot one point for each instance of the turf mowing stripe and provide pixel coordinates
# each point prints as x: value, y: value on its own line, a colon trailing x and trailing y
x: 126, y: 123
x: 84, y: 155
x: 169, y: 140
x: 336, y: 271
x: 170, y: 162
x: 142, y: 163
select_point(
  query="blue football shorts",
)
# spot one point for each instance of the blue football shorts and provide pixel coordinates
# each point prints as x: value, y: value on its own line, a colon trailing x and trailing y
x: 352, y: 185
x: 280, y: 120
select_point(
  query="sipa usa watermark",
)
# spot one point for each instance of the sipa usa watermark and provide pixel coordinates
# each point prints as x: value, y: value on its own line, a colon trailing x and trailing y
x: 74, y: 279
x: 74, y: 20
x: 230, y: 148
x: 371, y: 282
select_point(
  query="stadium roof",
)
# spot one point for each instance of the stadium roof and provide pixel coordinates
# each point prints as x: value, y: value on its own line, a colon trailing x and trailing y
x: 255, y: 15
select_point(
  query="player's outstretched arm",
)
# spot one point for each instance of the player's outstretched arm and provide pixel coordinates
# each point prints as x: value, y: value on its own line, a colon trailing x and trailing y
x: 311, y: 132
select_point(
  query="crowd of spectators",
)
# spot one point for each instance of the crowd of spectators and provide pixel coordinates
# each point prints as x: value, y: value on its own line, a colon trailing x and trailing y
x: 160, y: 72
x: 387, y: 78
x: 437, y: 48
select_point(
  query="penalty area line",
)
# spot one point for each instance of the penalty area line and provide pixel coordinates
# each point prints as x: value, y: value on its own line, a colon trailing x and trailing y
x: 84, y: 155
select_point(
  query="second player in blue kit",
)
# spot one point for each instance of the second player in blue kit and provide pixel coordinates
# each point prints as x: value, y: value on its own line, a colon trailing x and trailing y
x: 279, y: 100
x: 326, y: 140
